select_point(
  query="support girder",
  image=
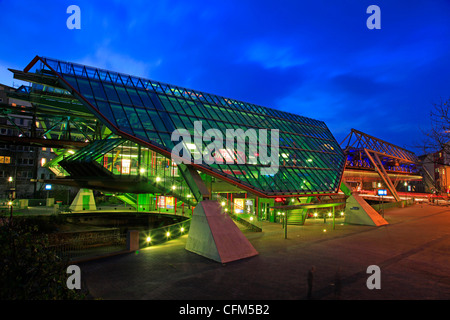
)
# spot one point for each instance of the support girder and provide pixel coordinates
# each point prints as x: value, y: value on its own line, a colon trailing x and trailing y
x: 376, y: 162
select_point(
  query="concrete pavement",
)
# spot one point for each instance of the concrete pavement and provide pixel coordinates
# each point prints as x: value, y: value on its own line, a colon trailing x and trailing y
x: 412, y: 253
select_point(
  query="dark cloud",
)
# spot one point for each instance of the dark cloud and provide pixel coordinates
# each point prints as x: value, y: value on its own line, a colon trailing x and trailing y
x: 359, y: 87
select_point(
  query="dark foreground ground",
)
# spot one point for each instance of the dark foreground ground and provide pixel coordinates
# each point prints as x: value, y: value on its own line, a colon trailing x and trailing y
x: 412, y: 252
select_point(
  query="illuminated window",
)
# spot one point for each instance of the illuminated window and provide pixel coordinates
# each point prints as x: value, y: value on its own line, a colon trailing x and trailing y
x: 126, y: 166
x: 43, y: 161
x: 4, y: 159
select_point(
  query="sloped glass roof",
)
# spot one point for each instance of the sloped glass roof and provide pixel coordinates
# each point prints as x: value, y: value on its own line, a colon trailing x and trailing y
x: 309, y: 160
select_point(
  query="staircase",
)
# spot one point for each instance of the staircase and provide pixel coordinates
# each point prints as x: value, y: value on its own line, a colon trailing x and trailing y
x: 84, y: 162
x: 129, y: 198
x: 297, y: 217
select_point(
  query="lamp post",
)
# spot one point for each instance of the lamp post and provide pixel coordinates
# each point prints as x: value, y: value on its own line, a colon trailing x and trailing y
x: 10, y: 203
x: 285, y: 225
x: 12, y: 196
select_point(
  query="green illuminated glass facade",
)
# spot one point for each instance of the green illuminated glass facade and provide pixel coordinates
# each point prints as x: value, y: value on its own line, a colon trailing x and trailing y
x: 147, y: 112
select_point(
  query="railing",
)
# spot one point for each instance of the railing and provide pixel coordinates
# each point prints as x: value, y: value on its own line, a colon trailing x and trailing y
x: 87, y: 247
x: 248, y: 220
x: 163, y: 234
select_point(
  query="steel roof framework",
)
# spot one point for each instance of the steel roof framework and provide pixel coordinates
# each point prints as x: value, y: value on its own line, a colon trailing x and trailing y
x: 378, y: 151
x: 147, y: 112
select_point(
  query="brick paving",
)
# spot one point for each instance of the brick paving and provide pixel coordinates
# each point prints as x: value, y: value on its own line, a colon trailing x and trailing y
x: 412, y: 253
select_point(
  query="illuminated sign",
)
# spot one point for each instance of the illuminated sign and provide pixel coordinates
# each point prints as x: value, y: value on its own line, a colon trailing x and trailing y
x: 239, y: 205
x: 161, y: 201
x: 382, y: 192
x: 169, y: 202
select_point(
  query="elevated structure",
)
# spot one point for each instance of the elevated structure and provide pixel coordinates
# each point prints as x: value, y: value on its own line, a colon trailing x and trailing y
x: 151, y: 142
x: 99, y: 104
x: 372, y: 160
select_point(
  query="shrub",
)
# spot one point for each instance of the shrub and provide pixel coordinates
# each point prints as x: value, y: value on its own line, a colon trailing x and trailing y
x: 29, y: 268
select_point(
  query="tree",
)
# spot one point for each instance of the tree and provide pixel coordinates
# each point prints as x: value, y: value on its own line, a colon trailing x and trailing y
x: 29, y: 268
x: 438, y: 136
x: 436, y: 146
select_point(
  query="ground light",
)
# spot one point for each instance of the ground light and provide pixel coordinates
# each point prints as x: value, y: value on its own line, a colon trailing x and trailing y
x: 167, y: 234
x: 182, y: 229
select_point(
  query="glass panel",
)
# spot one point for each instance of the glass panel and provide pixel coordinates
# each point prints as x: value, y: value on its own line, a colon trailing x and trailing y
x: 133, y: 118
x: 146, y: 99
x: 73, y: 82
x: 166, y: 103
x: 97, y: 88
x: 111, y: 93
x: 153, y: 136
x: 105, y: 110
x: 157, y: 122
x: 135, y: 99
x: 84, y: 88
x: 121, y: 118
x: 123, y: 95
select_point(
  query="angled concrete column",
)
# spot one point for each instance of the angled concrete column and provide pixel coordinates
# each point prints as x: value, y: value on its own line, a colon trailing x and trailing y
x: 84, y: 200
x: 214, y: 235
x: 358, y: 211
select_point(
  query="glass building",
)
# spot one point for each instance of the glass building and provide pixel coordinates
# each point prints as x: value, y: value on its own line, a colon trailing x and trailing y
x: 131, y: 128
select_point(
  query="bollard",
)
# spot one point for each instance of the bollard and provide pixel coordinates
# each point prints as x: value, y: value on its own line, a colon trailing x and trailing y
x: 133, y: 240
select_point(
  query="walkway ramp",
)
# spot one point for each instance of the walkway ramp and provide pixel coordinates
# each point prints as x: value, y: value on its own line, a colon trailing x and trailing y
x: 358, y: 211
x: 214, y: 235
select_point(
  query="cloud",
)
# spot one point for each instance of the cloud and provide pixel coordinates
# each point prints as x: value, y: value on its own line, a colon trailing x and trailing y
x: 105, y: 58
x: 271, y: 55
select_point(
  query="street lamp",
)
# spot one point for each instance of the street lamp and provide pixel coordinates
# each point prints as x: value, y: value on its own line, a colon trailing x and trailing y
x: 10, y: 204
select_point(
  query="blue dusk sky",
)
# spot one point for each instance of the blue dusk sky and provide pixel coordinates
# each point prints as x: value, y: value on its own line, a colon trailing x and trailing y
x: 313, y: 58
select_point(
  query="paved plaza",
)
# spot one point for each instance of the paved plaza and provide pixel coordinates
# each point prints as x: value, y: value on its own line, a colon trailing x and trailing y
x: 412, y: 253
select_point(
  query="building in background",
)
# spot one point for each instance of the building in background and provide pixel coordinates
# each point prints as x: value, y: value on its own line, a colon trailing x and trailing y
x: 22, y: 166
x: 436, y: 172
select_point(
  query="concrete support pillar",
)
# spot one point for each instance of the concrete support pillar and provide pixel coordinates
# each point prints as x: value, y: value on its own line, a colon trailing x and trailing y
x: 133, y: 240
x: 84, y: 201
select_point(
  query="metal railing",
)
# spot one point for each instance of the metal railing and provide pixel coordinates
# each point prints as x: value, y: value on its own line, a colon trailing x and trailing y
x: 163, y: 234
x: 84, y: 247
